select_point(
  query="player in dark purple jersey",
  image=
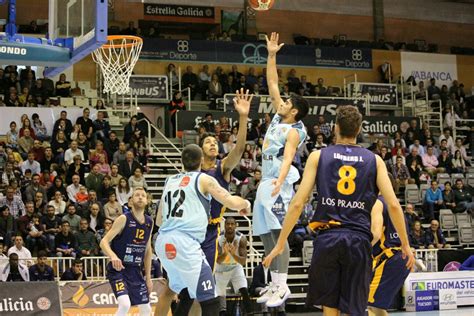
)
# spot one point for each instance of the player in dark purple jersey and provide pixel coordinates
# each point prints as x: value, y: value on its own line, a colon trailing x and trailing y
x: 348, y: 179
x: 128, y: 245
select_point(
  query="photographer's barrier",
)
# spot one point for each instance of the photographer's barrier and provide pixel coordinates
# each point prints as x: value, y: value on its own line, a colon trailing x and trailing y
x: 440, y: 290
x: 25, y: 298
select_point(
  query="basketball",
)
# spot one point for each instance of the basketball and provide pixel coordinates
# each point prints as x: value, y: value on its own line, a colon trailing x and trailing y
x: 261, y: 5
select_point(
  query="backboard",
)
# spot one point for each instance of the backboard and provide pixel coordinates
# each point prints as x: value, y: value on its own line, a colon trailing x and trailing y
x: 75, y: 29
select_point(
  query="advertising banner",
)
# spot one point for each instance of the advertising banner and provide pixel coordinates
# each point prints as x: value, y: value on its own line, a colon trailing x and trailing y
x: 96, y: 298
x: 20, y: 298
x: 190, y: 120
x: 424, y: 66
x: 317, y: 105
x: 423, y: 300
x: 379, y: 93
x: 255, y: 53
x: 460, y: 281
x: 181, y: 11
x: 149, y: 88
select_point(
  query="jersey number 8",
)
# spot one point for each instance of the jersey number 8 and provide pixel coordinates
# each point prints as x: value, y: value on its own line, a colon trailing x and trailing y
x: 346, y: 184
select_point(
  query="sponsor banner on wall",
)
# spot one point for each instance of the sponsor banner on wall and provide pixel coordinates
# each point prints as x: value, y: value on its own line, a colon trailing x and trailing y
x: 149, y: 88
x: 95, y: 298
x: 47, y: 115
x: 317, y: 105
x: 181, y: 11
x: 383, y: 94
x: 255, y: 53
x: 343, y: 57
x: 421, y: 301
x: 424, y: 66
x: 20, y: 298
x: 190, y: 120
x: 460, y: 281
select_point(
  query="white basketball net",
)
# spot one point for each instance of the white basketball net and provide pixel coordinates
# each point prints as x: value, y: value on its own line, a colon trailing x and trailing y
x: 117, y: 60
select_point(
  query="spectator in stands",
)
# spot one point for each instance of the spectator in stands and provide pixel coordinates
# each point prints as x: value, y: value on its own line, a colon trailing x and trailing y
x: 176, y: 104
x: 112, y: 208
x: 401, y: 174
x: 12, y: 100
x: 458, y: 163
x: 208, y: 123
x: 449, y: 140
x: 127, y: 167
x: 261, y: 278
x: 204, y: 79
x: 94, y: 179
x: 41, y: 271
x: 87, y: 125
x: 449, y: 118
x: 418, y: 236
x: 106, y: 189
x: 40, y: 203
x: 459, y: 146
x: 242, y: 84
x: 123, y: 191
x: 95, y: 217
x: 57, y: 186
x: 410, y: 215
x: 101, y: 127
x: 216, y: 89
x: 35, y: 238
x: 75, y: 273
x: 433, y: 201
x: 83, y: 208
x: 71, y: 152
x: 130, y: 30
x: 76, y: 168
x: 58, y: 203
x: 63, y: 87
x: 111, y: 145
x: 430, y: 162
x: 235, y: 73
x: 229, y: 85
x: 67, y: 127
x: 23, y: 253
x: 38, y: 93
x: 48, y: 159
x: 448, y: 196
x: 414, y: 156
x: 462, y: 198
x: 65, y: 242
x: 86, y: 241
x: 101, y: 232
x: 38, y: 150
x: 129, y: 129
x: 26, y: 125
x: 434, y: 236
x: 82, y: 196
x: 9, y: 174
x: 14, y: 271
x: 7, y: 226
x: 137, y: 180
x: 25, y: 144
x: 324, y: 127
x: 190, y: 80
x: 434, y: 93
x: 114, y: 175
x: 12, y: 136
x: 34, y: 187
x: 59, y: 145
x: 83, y: 143
x: 23, y: 223
x: 30, y: 164
x: 305, y: 86
x: 51, y: 227
x: 14, y: 203
x: 104, y: 167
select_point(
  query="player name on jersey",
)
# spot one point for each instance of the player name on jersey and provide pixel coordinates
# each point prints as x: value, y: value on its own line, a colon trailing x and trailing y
x: 348, y: 158
x: 342, y: 203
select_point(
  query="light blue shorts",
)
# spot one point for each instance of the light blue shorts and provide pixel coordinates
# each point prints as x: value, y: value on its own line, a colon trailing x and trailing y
x: 269, y: 211
x: 186, y: 266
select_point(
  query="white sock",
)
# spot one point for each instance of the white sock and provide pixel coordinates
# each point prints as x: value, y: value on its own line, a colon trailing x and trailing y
x: 282, y: 279
x: 123, y: 305
x: 275, y: 276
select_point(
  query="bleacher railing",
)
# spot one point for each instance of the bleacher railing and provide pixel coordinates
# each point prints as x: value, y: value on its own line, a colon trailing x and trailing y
x: 429, y: 258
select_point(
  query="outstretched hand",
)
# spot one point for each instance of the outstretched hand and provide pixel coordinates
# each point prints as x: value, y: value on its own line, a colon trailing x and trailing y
x: 242, y: 101
x: 272, y: 44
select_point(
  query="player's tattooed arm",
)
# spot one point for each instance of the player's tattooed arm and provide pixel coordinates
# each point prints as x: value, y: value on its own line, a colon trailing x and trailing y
x: 211, y: 186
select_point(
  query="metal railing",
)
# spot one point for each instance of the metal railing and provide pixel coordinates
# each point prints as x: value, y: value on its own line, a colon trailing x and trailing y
x: 458, y: 127
x: 429, y: 258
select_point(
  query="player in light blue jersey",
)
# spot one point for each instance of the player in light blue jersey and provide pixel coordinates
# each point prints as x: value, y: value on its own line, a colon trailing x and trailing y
x: 284, y: 136
x: 183, y: 216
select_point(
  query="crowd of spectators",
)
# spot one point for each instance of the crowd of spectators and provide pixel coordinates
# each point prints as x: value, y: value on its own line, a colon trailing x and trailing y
x: 63, y: 188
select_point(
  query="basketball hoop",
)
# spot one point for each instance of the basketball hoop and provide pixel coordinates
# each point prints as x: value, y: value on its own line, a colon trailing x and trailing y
x: 117, y: 59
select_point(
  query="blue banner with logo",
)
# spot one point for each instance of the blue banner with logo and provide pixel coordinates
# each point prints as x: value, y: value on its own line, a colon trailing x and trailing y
x: 255, y: 53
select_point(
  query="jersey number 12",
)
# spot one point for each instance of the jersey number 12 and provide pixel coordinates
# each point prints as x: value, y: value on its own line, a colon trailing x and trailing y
x: 175, y: 211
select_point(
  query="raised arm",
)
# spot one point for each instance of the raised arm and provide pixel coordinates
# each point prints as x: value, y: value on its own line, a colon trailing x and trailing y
x: 242, y: 102
x: 116, y: 229
x: 272, y: 76
x: 209, y: 185
x: 394, y: 209
x: 376, y: 225
x: 296, y: 206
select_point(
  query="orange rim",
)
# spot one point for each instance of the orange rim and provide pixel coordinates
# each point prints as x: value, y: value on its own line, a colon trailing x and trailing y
x: 111, y: 38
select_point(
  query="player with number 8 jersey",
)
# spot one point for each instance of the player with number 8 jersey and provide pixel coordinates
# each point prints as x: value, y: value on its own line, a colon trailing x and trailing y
x: 183, y: 216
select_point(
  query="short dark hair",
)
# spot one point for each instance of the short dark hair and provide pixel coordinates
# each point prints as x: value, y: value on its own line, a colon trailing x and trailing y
x: 203, y: 138
x: 42, y: 254
x: 349, y: 120
x: 301, y: 104
x: 191, y: 157
x: 230, y: 218
x: 77, y: 261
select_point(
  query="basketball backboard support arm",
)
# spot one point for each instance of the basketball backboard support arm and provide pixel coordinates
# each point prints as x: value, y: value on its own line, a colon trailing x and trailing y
x: 89, y: 43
